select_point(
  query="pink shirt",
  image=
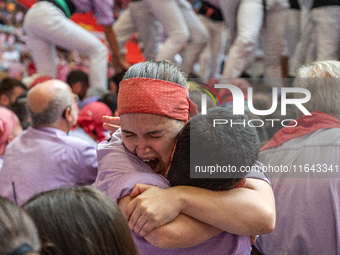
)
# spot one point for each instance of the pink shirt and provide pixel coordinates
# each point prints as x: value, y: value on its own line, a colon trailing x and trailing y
x: 43, y: 159
x: 102, y: 8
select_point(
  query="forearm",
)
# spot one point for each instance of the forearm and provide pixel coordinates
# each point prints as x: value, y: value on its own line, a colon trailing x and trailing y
x: 112, y: 40
x: 182, y: 232
x: 241, y: 211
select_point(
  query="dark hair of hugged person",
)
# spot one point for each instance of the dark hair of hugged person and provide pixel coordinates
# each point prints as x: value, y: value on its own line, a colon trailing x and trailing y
x: 237, y: 146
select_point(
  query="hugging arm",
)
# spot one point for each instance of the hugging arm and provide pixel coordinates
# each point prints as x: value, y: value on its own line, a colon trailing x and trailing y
x: 243, y: 211
x: 184, y: 231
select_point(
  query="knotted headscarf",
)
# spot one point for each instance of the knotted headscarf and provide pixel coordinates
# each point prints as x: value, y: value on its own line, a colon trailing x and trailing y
x: 90, y: 119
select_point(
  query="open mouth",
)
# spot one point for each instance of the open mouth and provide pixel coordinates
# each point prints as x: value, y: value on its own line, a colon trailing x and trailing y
x: 154, y: 164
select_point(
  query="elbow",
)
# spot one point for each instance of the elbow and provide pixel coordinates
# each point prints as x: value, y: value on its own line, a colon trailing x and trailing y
x: 163, y: 243
x: 164, y: 240
x: 268, y: 222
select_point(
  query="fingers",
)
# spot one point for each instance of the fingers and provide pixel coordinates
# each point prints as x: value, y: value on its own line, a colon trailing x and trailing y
x: 137, y: 221
x: 139, y: 189
x: 106, y: 118
x: 111, y: 123
x: 110, y: 127
x: 129, y: 209
x: 147, y: 228
x: 142, y: 223
x: 253, y: 239
x: 137, y: 216
x: 135, y: 207
x: 135, y: 192
x: 111, y: 120
x: 133, y: 218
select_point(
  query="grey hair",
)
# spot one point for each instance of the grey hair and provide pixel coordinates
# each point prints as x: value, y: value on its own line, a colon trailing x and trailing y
x: 161, y: 70
x: 54, y: 110
x: 321, y: 79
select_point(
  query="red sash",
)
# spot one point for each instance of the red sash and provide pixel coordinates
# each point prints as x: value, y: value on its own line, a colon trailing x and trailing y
x: 307, y: 124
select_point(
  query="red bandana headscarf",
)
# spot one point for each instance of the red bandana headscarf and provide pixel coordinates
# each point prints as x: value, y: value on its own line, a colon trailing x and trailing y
x: 90, y: 118
x: 146, y: 95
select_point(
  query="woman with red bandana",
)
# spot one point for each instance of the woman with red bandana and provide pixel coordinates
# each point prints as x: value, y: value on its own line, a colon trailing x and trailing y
x: 153, y: 106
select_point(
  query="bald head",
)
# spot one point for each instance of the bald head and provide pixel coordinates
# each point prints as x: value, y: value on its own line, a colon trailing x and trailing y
x: 47, y: 101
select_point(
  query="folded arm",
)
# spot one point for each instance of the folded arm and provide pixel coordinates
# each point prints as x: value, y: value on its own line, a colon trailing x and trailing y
x: 184, y: 231
x: 243, y: 211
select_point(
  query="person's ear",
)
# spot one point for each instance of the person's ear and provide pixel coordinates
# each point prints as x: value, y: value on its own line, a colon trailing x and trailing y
x: 67, y: 114
x: 10, y: 139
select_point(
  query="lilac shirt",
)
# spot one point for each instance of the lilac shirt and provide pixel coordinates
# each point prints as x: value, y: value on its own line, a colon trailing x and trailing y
x: 1, y: 161
x: 44, y: 159
x: 307, y: 209
x: 119, y: 170
x: 102, y: 8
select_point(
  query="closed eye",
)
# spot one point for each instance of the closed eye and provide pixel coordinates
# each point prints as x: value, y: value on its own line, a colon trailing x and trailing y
x: 155, y: 137
x: 128, y: 133
x: 156, y: 134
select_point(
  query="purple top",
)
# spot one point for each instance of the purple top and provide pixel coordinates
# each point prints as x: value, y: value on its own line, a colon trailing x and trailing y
x: 102, y: 8
x: 1, y: 161
x: 119, y: 170
x: 43, y: 159
x: 307, y: 209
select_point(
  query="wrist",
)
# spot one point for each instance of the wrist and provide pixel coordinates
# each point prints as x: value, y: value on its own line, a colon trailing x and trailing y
x: 183, y: 198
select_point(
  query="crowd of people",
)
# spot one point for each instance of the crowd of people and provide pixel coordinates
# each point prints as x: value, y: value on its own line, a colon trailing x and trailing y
x: 212, y: 38
x: 99, y: 155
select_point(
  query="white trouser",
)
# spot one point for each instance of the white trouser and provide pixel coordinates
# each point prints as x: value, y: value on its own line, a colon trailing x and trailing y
x: 183, y: 28
x: 135, y: 18
x: 292, y: 31
x: 273, y: 38
x: 305, y: 4
x: 211, y: 58
x: 326, y: 21
x: 301, y: 53
x: 244, y: 22
x: 47, y: 26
